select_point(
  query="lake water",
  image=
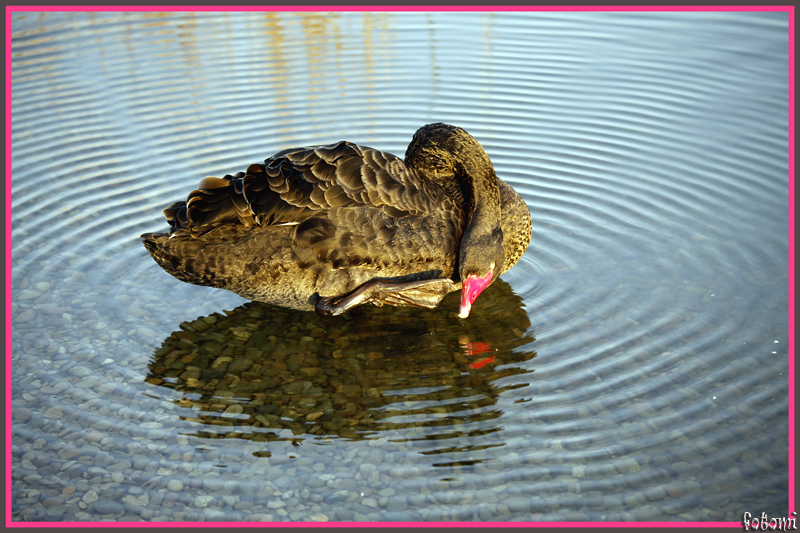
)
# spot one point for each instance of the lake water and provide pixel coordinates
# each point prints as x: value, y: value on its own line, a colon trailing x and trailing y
x: 632, y: 366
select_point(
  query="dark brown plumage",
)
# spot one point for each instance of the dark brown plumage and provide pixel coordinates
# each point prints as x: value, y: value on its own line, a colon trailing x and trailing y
x: 334, y: 226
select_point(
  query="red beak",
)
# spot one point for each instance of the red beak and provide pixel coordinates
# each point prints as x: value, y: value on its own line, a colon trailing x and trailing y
x: 470, y: 290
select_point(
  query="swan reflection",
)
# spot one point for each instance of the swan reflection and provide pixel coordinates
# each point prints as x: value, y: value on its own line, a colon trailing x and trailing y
x: 264, y: 373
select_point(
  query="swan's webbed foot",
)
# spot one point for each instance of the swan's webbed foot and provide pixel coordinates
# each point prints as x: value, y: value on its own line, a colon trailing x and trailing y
x: 420, y: 293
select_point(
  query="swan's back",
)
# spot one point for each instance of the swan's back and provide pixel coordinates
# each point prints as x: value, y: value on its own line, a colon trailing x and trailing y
x: 299, y: 183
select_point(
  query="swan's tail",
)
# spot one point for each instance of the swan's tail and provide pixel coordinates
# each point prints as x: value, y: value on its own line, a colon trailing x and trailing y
x: 216, y: 201
x: 185, y: 258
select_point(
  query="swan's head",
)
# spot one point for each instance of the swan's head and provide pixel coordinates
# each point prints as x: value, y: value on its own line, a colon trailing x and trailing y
x: 481, y: 262
x: 454, y: 159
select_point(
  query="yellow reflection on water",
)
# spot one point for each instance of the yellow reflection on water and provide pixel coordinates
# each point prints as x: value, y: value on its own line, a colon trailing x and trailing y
x: 321, y: 30
x: 279, y: 72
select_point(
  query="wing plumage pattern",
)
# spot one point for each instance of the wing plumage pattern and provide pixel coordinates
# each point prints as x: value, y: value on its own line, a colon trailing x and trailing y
x: 296, y: 184
x: 350, y: 205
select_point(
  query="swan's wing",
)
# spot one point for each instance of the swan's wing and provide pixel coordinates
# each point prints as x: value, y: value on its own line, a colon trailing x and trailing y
x: 296, y: 184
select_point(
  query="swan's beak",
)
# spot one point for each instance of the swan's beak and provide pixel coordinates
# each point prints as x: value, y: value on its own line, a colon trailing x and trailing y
x: 470, y: 290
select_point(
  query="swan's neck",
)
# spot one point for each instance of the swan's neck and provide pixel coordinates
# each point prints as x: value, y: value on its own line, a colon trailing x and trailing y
x: 451, y: 157
x: 482, y: 240
x: 482, y: 198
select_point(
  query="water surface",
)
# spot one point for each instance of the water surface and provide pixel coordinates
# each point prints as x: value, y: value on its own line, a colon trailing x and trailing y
x: 632, y: 366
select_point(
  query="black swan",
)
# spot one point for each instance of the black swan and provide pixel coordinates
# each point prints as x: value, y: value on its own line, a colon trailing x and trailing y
x: 330, y: 227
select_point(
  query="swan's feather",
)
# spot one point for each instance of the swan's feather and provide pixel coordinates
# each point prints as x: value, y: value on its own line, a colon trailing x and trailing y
x: 321, y: 221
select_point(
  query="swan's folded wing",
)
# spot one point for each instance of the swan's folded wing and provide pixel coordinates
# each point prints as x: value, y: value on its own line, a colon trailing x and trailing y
x: 296, y: 184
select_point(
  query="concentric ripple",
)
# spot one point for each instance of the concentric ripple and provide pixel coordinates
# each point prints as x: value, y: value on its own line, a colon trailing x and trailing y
x: 632, y: 366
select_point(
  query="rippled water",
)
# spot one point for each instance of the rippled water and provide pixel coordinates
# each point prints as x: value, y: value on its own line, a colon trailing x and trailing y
x: 632, y: 366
